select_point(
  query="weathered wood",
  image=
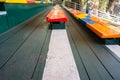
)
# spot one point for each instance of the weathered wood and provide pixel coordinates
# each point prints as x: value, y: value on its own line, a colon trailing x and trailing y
x: 37, y: 75
x: 10, y: 46
x: 57, y: 25
x: 24, y: 50
x: 109, y: 62
x: 95, y: 69
x: 5, y: 36
x: 80, y: 66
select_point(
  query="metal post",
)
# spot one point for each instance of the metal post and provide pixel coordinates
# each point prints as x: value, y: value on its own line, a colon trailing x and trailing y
x: 75, y: 6
x: 87, y: 7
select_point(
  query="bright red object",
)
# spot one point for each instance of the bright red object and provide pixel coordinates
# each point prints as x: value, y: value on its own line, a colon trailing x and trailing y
x: 56, y: 15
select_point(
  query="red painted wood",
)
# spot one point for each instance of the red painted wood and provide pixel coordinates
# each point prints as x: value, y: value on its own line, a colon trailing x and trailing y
x: 56, y: 15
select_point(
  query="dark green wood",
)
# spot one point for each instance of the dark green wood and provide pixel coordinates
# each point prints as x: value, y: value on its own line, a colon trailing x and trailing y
x: 10, y: 46
x: 107, y: 58
x: 111, y: 41
x: 57, y: 25
x: 3, y: 23
x: 80, y: 66
x: 95, y: 69
x: 2, y: 8
x: 38, y: 71
x: 110, y: 62
x: 6, y: 35
x: 22, y: 64
x: 42, y: 60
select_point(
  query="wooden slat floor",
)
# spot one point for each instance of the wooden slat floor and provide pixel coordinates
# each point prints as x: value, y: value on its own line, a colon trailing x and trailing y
x: 23, y: 51
x: 94, y: 61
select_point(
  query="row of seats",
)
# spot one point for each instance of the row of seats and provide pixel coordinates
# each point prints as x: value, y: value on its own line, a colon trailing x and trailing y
x: 104, y: 29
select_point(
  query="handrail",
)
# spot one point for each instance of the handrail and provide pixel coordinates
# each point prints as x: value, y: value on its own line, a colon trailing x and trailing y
x: 73, y: 5
x: 101, y: 14
x: 106, y: 16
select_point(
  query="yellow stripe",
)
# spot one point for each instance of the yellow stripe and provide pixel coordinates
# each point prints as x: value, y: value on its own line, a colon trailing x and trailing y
x: 16, y: 1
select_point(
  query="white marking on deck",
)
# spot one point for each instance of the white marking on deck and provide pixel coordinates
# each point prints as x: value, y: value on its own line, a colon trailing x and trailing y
x: 3, y: 12
x: 115, y: 49
x: 60, y: 64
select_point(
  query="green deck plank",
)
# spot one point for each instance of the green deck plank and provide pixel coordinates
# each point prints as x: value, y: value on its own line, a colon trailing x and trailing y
x: 108, y: 60
x: 41, y: 64
x: 93, y: 66
x: 10, y: 46
x: 22, y: 64
x: 81, y: 69
x: 6, y: 35
x: 106, y: 57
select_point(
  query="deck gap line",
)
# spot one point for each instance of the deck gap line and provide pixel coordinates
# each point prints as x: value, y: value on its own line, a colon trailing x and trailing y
x: 77, y: 48
x: 24, y: 22
x: 20, y: 45
x: 100, y: 61
x: 39, y: 56
x: 60, y: 64
x: 40, y: 52
x: 94, y: 53
x: 92, y: 50
x: 80, y: 57
x: 17, y: 49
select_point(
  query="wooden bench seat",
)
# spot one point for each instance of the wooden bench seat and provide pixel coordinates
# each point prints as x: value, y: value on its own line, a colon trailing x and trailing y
x: 104, y: 32
x: 104, y: 29
x: 57, y: 18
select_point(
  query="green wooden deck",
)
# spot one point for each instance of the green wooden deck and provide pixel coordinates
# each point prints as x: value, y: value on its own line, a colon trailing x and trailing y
x: 23, y: 52
x: 93, y: 59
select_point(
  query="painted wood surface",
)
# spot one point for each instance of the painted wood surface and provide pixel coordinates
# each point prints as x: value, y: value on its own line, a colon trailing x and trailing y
x: 97, y: 61
x: 21, y: 53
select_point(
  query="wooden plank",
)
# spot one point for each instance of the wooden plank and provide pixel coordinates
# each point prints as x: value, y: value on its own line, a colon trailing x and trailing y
x: 10, y: 46
x: 22, y: 64
x: 110, y: 62
x: 5, y: 36
x: 80, y: 66
x: 95, y: 69
x: 38, y: 72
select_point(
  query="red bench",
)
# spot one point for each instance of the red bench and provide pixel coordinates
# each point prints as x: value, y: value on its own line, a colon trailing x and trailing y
x: 57, y: 18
